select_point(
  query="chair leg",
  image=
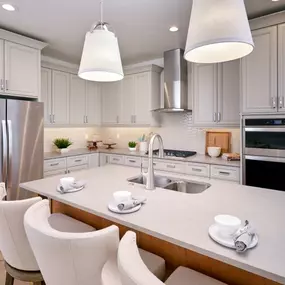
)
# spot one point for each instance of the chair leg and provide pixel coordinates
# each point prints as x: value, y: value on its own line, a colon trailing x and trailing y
x: 9, y: 279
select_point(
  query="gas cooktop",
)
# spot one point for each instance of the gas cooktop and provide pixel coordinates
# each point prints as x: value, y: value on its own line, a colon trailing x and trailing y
x: 175, y: 153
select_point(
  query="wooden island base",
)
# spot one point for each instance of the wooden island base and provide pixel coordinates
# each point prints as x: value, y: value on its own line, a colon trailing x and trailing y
x: 174, y: 255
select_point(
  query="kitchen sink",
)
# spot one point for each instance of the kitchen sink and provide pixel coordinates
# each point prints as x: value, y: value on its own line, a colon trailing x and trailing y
x: 184, y: 186
x: 190, y: 187
x: 159, y: 181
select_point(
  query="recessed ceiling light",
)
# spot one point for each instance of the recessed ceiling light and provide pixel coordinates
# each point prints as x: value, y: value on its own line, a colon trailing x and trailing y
x: 173, y: 29
x: 8, y: 7
x: 275, y: 0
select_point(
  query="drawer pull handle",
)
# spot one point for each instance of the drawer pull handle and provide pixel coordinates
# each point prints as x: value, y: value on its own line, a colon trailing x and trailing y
x: 170, y: 166
x: 116, y: 159
x: 78, y: 160
x: 54, y: 164
x: 133, y: 161
x: 197, y: 169
x: 224, y: 173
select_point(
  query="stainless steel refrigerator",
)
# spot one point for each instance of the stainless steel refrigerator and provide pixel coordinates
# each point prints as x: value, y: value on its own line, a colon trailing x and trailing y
x: 21, y: 145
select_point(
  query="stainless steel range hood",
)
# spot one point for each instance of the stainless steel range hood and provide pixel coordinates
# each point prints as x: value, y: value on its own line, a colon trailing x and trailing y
x: 175, y: 82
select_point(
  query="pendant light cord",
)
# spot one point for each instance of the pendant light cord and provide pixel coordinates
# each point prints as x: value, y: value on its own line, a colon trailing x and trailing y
x: 101, y: 12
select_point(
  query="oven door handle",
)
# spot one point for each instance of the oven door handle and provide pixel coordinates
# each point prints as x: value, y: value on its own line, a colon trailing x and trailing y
x: 265, y: 158
x: 267, y: 130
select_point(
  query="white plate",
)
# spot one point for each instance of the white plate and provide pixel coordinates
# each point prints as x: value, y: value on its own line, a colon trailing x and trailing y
x: 227, y: 241
x: 112, y: 206
x: 69, y: 191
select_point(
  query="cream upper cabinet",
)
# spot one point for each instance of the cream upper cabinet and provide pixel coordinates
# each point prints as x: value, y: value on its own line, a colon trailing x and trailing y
x: 22, y: 70
x: 93, y: 103
x: 2, y: 62
x: 77, y: 100
x: 281, y: 68
x: 216, y: 94
x: 111, y: 96
x: 131, y: 101
x: 46, y: 96
x: 60, y: 97
x: 204, y: 92
x: 259, y: 73
x: 143, y: 97
x: 127, y: 100
x: 229, y: 93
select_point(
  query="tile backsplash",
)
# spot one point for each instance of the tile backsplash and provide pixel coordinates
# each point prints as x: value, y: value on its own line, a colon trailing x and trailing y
x: 176, y: 131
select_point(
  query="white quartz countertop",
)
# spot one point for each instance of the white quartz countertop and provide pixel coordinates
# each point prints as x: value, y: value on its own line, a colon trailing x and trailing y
x: 184, y: 219
x: 199, y: 158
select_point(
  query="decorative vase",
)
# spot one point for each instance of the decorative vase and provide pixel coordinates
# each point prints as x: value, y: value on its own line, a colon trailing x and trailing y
x: 143, y: 147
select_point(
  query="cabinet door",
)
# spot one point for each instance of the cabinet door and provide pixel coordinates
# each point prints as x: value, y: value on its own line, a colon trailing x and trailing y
x: 127, y: 100
x: 93, y: 103
x: 259, y: 73
x: 229, y: 93
x: 46, y: 94
x: 205, y: 94
x: 111, y: 93
x: 60, y: 97
x: 77, y: 101
x: 22, y: 70
x: 143, y: 98
x: 94, y: 160
x: 281, y: 68
x: 103, y: 159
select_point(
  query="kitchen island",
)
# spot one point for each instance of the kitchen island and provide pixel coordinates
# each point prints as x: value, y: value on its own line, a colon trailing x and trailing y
x: 175, y: 225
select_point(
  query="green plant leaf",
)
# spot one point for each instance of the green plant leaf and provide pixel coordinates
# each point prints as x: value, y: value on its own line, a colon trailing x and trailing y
x: 62, y: 143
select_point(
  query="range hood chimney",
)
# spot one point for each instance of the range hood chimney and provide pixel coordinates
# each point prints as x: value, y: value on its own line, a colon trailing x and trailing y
x: 175, y: 82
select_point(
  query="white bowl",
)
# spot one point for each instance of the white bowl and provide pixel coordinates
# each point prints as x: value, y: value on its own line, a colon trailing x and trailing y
x: 122, y: 196
x: 214, y: 151
x: 227, y: 224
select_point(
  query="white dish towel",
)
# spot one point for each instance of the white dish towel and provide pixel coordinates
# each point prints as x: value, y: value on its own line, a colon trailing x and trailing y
x: 3, y: 192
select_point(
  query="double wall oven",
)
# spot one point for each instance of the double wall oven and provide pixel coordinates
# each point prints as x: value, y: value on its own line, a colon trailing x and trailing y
x: 263, y: 153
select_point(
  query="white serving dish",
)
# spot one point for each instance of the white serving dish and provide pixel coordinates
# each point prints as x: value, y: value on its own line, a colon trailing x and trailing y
x: 122, y: 196
x: 214, y: 151
x: 227, y: 224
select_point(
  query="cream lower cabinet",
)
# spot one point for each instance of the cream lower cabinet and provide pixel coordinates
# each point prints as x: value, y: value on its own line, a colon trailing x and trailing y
x: 216, y: 94
x: 259, y: 74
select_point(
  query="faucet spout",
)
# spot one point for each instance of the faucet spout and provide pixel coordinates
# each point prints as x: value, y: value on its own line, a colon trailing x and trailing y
x: 150, y: 174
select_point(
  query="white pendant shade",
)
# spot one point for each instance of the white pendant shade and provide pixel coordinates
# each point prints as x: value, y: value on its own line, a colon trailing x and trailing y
x: 218, y: 31
x: 101, y: 60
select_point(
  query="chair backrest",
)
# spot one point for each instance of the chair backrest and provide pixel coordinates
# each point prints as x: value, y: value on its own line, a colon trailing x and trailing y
x: 68, y: 258
x: 132, y: 269
x: 14, y: 244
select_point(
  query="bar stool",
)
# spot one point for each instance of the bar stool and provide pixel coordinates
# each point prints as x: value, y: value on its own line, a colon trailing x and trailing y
x: 133, y: 271
x: 19, y: 260
x: 77, y: 258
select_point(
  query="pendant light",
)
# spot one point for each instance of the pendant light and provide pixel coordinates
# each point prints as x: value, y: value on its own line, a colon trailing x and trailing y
x: 101, y: 60
x: 218, y: 31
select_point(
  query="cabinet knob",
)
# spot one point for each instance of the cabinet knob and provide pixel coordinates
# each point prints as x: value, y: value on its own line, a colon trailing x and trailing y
x: 215, y: 117
x: 6, y: 83
x: 273, y: 102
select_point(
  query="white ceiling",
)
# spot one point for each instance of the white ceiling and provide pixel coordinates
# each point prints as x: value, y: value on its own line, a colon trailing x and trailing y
x: 141, y: 25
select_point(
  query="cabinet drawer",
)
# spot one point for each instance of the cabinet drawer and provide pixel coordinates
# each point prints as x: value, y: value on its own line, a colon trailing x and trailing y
x: 157, y: 164
x: 77, y: 160
x: 198, y: 169
x: 117, y: 159
x: 133, y: 161
x: 77, y: 168
x: 225, y: 172
x: 54, y: 173
x: 54, y: 164
x: 174, y: 166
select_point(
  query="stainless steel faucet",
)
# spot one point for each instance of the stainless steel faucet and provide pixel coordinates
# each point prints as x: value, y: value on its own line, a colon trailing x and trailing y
x: 150, y: 173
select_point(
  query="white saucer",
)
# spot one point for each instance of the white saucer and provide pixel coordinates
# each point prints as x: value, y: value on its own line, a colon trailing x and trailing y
x: 69, y: 191
x: 227, y: 241
x: 113, y: 208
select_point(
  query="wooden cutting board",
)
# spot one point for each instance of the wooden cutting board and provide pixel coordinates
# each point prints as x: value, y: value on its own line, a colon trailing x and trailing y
x: 221, y: 139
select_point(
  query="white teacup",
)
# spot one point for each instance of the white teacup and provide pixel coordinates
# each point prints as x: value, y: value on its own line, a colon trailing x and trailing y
x: 227, y: 224
x: 122, y: 196
x: 66, y: 182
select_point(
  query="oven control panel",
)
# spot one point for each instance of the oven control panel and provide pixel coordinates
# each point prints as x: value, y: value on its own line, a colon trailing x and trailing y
x: 264, y: 122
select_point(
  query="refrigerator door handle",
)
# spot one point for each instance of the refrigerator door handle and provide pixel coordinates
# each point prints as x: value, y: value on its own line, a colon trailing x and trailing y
x: 9, y: 149
x: 4, y: 151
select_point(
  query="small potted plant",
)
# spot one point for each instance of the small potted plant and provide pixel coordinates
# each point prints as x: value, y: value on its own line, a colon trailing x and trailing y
x: 132, y: 146
x: 62, y: 144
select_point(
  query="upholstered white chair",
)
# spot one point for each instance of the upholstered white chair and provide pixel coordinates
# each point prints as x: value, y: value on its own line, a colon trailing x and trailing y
x: 20, y: 262
x: 133, y: 271
x: 68, y: 258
